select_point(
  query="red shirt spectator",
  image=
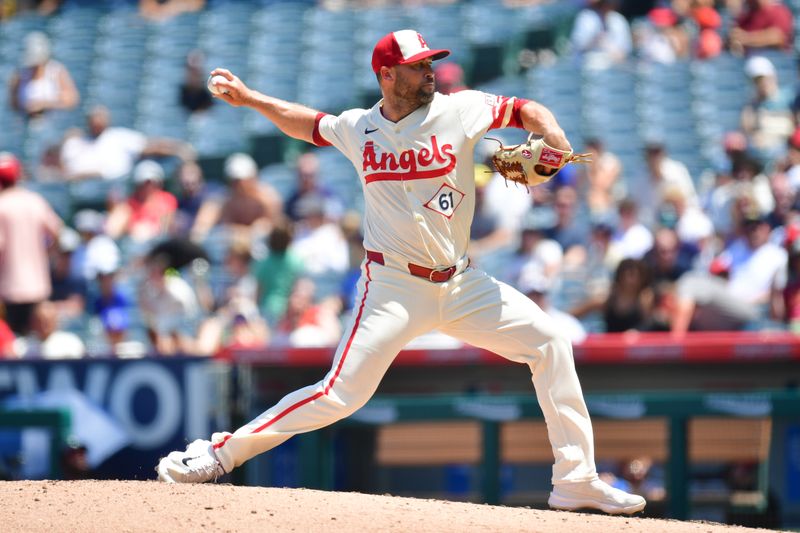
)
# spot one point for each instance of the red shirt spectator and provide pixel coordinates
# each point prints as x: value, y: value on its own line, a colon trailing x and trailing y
x: 149, y: 210
x: 307, y: 323
x: 763, y: 24
x: 6, y: 340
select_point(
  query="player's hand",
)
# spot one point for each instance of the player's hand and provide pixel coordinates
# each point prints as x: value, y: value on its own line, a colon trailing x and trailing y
x: 235, y: 92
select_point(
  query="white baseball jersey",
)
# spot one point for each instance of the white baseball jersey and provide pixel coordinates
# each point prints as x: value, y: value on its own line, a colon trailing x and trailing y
x: 419, y: 186
x: 417, y: 173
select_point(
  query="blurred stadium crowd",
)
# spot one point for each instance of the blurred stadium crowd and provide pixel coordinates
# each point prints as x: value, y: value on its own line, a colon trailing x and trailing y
x: 138, y: 215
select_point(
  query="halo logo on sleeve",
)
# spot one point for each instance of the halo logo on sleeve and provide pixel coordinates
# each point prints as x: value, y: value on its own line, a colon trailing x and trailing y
x: 445, y: 201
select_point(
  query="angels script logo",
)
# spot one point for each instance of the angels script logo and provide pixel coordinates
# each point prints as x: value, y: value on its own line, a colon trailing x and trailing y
x: 409, y: 164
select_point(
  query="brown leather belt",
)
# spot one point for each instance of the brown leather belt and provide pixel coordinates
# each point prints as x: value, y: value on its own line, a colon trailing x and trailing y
x: 436, y: 276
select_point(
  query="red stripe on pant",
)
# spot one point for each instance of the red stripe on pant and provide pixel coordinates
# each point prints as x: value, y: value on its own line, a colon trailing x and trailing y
x: 333, y: 378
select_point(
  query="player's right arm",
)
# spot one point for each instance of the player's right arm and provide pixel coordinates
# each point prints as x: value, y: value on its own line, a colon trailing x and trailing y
x: 295, y: 120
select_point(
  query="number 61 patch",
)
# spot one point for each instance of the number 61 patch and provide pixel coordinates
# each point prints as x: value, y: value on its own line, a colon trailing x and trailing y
x: 445, y: 201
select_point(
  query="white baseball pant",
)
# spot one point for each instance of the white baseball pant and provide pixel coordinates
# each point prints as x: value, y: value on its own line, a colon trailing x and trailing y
x: 393, y: 308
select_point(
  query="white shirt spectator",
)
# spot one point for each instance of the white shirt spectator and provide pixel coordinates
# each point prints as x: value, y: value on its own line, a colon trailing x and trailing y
x: 34, y: 92
x: 59, y: 345
x: 537, y: 287
x: 694, y: 225
x: 762, y: 193
x: 100, y: 254
x: 656, y: 47
x: 650, y: 193
x: 603, y: 40
x: 46, y: 340
x: 632, y: 243
x: 720, y: 206
x: 675, y: 174
x: 545, y: 260
x: 567, y: 324
x: 505, y: 202
x: 754, y: 273
x: 723, y: 198
x: 322, y: 250
x: 42, y: 84
x: 110, y: 155
x: 173, y: 309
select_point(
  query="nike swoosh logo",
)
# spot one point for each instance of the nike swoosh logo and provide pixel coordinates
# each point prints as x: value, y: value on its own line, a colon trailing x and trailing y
x: 186, y: 460
x: 367, y: 131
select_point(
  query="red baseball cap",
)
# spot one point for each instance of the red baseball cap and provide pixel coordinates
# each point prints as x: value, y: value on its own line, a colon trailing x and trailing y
x: 10, y: 168
x: 662, y: 16
x: 720, y: 264
x: 707, y: 17
x: 402, y: 47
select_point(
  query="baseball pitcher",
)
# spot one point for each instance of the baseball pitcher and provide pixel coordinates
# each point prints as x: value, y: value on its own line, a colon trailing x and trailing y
x: 413, y: 151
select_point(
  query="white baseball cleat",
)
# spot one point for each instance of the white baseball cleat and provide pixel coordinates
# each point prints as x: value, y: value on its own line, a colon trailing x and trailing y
x: 197, y: 464
x: 594, y: 494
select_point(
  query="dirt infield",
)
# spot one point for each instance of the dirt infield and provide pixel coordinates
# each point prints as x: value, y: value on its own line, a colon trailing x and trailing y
x: 134, y: 506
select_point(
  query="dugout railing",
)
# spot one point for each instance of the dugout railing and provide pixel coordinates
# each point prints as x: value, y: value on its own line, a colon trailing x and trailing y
x: 510, y: 428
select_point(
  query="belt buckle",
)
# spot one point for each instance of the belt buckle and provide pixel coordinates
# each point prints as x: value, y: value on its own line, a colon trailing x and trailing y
x: 448, y: 272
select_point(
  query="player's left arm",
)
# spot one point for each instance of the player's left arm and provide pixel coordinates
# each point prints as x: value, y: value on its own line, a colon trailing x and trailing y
x: 539, y: 120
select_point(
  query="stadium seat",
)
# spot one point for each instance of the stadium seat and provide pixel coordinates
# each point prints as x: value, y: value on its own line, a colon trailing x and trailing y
x: 57, y: 195
x: 489, y: 22
x: 12, y: 134
x: 280, y: 176
x: 443, y: 24
x: 217, y: 132
x: 338, y: 174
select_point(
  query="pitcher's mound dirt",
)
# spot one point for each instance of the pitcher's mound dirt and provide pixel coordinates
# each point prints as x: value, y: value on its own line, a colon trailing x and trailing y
x: 134, y: 506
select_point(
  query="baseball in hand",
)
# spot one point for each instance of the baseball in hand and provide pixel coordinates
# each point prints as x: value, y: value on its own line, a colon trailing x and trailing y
x: 212, y: 84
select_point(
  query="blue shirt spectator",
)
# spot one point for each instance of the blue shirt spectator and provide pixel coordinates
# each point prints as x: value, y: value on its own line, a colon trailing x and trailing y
x: 113, y: 306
